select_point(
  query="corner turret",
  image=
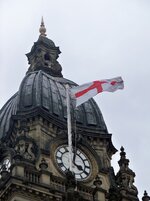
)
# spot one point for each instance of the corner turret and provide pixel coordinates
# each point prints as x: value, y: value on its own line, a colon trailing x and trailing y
x: 125, y: 179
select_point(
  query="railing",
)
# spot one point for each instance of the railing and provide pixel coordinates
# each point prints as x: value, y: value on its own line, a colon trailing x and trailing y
x: 32, y: 176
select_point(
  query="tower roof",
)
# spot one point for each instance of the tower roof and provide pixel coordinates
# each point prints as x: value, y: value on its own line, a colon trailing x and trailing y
x: 43, y: 88
x: 40, y: 90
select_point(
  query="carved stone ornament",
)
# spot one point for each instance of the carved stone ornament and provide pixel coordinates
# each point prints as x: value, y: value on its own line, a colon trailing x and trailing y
x: 26, y: 148
x: 97, y: 182
x: 125, y: 176
x: 105, y: 159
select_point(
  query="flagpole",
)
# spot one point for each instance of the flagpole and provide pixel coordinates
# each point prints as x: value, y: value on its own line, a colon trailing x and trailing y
x: 69, y: 128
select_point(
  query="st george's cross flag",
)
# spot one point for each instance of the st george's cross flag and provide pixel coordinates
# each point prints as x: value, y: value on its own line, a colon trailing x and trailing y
x: 86, y: 91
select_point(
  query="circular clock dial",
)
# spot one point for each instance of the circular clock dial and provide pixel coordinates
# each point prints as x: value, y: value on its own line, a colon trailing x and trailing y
x: 81, y: 164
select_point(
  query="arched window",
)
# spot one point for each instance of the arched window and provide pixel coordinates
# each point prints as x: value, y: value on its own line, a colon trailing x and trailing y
x: 47, y: 57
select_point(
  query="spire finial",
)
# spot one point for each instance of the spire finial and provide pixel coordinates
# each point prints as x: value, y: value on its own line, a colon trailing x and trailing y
x: 42, y: 29
x: 145, y: 197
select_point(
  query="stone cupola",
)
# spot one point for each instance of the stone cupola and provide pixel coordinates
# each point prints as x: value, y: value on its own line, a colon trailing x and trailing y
x: 44, y: 55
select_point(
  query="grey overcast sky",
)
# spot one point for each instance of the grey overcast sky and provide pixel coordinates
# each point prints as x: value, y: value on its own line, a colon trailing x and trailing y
x: 98, y: 39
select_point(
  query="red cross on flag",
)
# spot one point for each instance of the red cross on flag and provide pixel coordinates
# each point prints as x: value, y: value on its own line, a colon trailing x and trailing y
x: 86, y: 91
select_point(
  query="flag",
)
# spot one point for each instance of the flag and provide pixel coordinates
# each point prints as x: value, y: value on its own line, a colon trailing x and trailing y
x: 86, y: 91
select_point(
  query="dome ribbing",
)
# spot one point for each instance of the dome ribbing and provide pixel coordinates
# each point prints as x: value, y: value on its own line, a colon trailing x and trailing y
x: 40, y: 90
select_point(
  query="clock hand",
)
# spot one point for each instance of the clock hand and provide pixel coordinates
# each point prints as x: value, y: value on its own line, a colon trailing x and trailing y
x: 78, y: 166
x: 74, y: 158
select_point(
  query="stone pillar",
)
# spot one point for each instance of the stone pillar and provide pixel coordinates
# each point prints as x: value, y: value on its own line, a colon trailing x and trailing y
x: 45, y: 175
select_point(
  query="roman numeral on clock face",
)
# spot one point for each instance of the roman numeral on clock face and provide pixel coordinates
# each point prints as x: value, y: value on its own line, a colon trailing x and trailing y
x: 81, y: 165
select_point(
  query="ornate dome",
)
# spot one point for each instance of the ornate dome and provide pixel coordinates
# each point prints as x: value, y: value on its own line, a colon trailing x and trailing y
x: 43, y: 89
x: 40, y: 90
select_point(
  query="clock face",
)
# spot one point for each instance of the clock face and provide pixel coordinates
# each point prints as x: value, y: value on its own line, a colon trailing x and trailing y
x: 81, y: 164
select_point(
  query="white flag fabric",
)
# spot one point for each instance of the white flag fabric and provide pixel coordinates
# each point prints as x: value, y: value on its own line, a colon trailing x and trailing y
x: 86, y: 91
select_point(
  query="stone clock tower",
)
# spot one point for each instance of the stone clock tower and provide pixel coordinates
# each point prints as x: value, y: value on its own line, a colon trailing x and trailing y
x: 33, y: 141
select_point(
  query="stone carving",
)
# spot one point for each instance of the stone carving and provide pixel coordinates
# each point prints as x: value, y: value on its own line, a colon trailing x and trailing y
x: 132, y: 187
x: 97, y: 182
x: 43, y: 165
x: 106, y: 160
x: 25, y: 149
x: 126, y: 181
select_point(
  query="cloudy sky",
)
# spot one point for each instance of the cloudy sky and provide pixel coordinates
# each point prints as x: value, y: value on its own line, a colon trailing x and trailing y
x: 98, y: 39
